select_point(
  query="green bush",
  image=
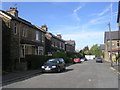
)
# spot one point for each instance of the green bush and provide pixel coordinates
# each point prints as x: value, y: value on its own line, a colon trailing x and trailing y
x: 36, y: 61
x: 61, y: 54
x: 68, y: 57
x: 117, y: 57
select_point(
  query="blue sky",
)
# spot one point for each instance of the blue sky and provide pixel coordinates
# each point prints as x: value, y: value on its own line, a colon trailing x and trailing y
x: 84, y: 22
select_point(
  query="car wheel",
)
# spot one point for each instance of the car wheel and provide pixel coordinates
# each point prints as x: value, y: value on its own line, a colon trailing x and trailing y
x: 64, y: 68
x: 42, y: 71
x: 58, y: 69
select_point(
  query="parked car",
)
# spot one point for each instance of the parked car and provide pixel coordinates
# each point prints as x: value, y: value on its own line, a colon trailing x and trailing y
x: 54, y: 65
x: 86, y: 59
x: 76, y: 60
x: 82, y: 59
x: 99, y: 60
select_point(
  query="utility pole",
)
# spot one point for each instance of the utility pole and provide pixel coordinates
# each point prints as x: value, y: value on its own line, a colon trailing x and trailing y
x: 110, y: 45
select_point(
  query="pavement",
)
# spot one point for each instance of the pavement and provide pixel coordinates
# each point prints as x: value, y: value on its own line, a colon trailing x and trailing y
x: 19, y: 75
x: 115, y: 67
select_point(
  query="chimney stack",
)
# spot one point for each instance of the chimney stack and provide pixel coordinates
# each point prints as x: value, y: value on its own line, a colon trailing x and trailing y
x: 59, y: 36
x: 13, y: 11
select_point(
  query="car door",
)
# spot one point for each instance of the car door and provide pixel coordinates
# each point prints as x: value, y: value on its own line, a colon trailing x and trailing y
x: 62, y: 63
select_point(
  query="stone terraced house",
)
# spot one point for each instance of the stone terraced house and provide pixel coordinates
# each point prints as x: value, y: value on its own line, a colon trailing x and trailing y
x: 115, y: 40
x: 22, y: 39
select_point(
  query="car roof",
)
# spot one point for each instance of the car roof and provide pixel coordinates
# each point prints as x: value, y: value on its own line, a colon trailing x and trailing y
x: 56, y: 58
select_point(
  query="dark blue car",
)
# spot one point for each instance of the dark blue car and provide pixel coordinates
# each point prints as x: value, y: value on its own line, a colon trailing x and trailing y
x: 99, y: 60
x: 54, y: 65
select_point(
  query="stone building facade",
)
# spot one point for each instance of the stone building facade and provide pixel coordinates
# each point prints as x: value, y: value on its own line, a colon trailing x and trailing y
x: 25, y: 38
x: 115, y: 42
x: 21, y: 38
x: 70, y: 46
x: 102, y: 47
x: 54, y: 43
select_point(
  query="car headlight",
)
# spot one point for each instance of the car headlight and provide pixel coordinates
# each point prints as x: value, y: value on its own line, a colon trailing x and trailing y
x: 43, y: 67
x: 53, y: 66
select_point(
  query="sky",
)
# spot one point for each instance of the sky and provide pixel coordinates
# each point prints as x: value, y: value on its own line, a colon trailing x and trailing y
x: 84, y: 22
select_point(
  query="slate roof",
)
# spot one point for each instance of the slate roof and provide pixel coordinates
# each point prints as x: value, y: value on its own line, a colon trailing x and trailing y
x: 21, y: 20
x: 71, y: 42
x: 115, y: 35
x: 53, y: 36
x: 102, y: 46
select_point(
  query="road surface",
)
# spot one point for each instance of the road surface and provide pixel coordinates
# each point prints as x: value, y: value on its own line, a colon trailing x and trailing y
x: 88, y: 74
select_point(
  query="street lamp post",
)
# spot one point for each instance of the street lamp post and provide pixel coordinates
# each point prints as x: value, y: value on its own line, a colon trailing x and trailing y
x: 110, y: 45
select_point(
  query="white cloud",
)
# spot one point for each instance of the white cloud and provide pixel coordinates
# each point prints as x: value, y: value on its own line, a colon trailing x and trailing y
x: 83, y: 35
x: 85, y: 38
x: 75, y: 13
x: 65, y: 29
x: 107, y: 9
x: 104, y: 17
x: 115, y: 13
x: 99, y: 20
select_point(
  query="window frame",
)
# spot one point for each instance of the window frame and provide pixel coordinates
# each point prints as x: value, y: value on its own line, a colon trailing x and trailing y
x: 15, y: 28
x: 37, y: 35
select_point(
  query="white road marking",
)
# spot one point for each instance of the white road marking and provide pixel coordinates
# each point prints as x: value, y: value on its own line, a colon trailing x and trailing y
x: 89, y: 80
x: 114, y: 70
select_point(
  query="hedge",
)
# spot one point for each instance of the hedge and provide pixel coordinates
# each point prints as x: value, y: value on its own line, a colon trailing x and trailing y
x: 36, y: 61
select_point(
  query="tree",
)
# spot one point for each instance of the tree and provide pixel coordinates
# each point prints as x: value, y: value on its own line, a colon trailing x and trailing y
x: 82, y: 53
x: 95, y: 50
x: 86, y: 51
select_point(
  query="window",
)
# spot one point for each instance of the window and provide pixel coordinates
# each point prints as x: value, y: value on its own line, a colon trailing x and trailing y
x: 8, y: 24
x: 57, y: 44
x: 42, y: 37
x: 24, y: 32
x: 37, y: 35
x: 39, y: 51
x: 118, y: 44
x: 60, y: 45
x: 15, y: 28
x: 36, y: 51
x: 54, y: 44
x: 22, y: 51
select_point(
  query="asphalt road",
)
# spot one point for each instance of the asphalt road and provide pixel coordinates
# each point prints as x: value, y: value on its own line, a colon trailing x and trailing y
x: 88, y: 74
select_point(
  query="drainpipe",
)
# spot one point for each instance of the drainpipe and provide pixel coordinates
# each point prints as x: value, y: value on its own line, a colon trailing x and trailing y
x: 19, y: 41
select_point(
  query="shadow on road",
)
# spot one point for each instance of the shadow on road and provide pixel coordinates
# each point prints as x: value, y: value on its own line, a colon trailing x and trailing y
x: 31, y: 76
x: 67, y: 70
x: 21, y: 79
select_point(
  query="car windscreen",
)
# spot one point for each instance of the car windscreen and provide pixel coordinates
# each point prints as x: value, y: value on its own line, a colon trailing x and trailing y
x: 76, y: 58
x: 98, y: 58
x: 52, y: 61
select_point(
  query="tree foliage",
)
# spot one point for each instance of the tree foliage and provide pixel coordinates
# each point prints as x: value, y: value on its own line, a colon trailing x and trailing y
x: 85, y: 51
x: 95, y: 50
